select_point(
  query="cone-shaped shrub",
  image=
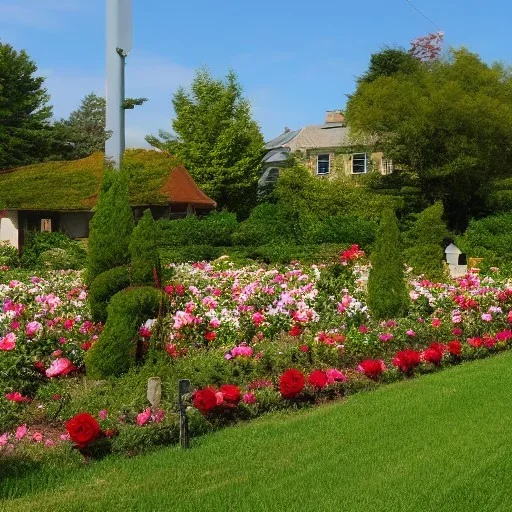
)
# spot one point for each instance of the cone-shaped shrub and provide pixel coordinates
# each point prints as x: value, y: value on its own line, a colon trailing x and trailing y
x: 387, y: 289
x: 115, y: 352
x: 144, y: 251
x: 103, y: 288
x: 111, y: 226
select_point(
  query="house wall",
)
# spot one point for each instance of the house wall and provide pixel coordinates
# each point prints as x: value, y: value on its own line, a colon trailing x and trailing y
x: 9, y: 228
x: 341, y: 164
x: 75, y: 225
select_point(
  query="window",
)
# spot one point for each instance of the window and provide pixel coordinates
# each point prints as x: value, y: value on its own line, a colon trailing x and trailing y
x: 272, y: 175
x: 359, y: 163
x: 386, y: 166
x: 322, y: 164
x: 46, y: 225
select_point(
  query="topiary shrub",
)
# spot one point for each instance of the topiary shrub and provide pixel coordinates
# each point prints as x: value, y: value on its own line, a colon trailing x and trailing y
x: 427, y: 260
x: 111, y: 226
x: 145, y: 268
x: 116, y: 350
x: 387, y: 289
x: 103, y: 288
x: 262, y: 227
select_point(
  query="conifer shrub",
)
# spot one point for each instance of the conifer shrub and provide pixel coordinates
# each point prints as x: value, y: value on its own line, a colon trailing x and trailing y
x: 111, y: 226
x: 145, y: 259
x: 425, y: 241
x: 103, y: 288
x: 117, y: 349
x: 387, y: 289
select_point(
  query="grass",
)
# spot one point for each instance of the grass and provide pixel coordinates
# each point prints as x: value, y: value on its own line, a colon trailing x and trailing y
x: 438, y: 443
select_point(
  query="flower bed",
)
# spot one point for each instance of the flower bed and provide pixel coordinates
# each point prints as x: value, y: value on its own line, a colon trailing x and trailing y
x: 250, y: 339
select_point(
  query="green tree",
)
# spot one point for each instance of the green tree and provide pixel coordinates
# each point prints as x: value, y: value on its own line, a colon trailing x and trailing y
x: 144, y: 251
x: 387, y: 289
x: 83, y: 133
x: 389, y: 62
x: 111, y: 226
x: 450, y: 122
x: 25, y: 131
x: 217, y: 140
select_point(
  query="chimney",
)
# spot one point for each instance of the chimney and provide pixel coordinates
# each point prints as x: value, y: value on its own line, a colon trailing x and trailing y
x: 334, y: 116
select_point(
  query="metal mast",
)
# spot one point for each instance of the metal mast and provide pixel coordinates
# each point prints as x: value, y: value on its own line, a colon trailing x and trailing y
x: 119, y: 44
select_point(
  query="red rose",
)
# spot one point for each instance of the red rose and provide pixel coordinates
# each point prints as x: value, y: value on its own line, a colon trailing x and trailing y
x: 432, y: 356
x: 304, y: 348
x: 372, y: 368
x: 407, y: 360
x: 455, y: 348
x: 231, y: 393
x: 318, y: 379
x: 210, y: 336
x: 83, y: 429
x: 291, y: 384
x: 295, y: 330
x: 205, y: 400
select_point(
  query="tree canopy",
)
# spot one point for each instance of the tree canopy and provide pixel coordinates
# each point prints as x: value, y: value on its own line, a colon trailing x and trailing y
x: 449, y: 121
x: 25, y: 132
x: 83, y: 133
x: 217, y: 140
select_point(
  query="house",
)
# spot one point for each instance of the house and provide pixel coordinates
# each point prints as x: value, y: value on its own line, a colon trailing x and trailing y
x: 327, y: 150
x: 60, y: 196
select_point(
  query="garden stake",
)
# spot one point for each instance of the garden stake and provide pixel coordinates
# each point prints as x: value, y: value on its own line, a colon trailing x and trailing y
x: 183, y: 389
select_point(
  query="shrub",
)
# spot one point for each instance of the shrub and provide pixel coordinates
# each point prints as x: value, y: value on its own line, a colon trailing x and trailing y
x: 111, y: 226
x: 426, y: 260
x: 262, y: 227
x: 387, y: 289
x: 493, y: 233
x: 429, y: 228
x: 344, y: 229
x: 73, y: 257
x: 144, y: 251
x: 103, y: 288
x: 117, y: 348
x: 8, y: 255
x: 39, y: 242
x: 215, y: 229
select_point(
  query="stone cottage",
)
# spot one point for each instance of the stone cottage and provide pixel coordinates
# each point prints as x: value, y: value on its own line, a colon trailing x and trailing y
x: 327, y: 149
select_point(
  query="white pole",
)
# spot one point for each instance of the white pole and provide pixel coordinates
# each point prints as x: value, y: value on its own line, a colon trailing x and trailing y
x: 115, y: 61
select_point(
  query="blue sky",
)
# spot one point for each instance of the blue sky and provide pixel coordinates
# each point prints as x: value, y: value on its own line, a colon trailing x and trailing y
x: 294, y: 59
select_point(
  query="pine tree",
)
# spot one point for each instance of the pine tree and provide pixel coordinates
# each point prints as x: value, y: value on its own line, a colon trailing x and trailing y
x: 387, y: 289
x: 25, y: 131
x: 111, y: 226
x: 217, y: 140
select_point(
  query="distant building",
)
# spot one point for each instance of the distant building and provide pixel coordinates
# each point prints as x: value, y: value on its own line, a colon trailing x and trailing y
x: 326, y: 149
x: 60, y: 196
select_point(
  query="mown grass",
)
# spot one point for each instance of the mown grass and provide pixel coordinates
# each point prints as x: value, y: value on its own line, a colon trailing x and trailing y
x: 438, y: 443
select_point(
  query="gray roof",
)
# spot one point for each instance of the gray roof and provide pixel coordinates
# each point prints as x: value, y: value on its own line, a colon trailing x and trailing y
x: 276, y: 155
x: 323, y: 136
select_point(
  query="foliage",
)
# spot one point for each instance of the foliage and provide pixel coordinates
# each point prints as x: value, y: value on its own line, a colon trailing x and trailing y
x: 24, y: 110
x: 118, y: 347
x: 217, y: 140
x: 215, y: 229
x: 35, y: 251
x: 493, y: 234
x: 389, y: 62
x: 76, y: 184
x: 103, y: 287
x: 448, y: 122
x: 145, y: 260
x: 344, y: 229
x: 387, y: 290
x: 110, y: 227
x: 131, y: 103
x: 426, y: 260
x: 8, y: 255
x: 262, y: 226
x: 83, y: 133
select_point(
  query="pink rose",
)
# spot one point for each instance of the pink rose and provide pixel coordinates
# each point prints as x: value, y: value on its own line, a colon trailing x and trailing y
x: 143, y: 417
x: 37, y: 437
x: 4, y: 438
x: 219, y: 397
x: 33, y: 328
x: 60, y: 366
x: 103, y: 414
x: 21, y: 432
x: 8, y: 342
x: 334, y: 375
x: 258, y: 318
x: 249, y: 398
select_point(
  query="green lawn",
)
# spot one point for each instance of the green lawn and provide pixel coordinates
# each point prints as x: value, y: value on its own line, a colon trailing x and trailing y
x: 439, y: 443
